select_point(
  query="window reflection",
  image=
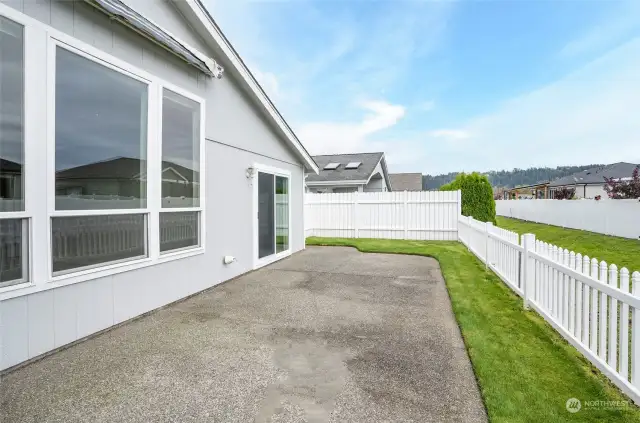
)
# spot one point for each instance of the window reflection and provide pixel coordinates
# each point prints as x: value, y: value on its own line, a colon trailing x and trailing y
x: 101, y: 136
x: 11, y: 116
x: 179, y: 230
x: 180, y: 151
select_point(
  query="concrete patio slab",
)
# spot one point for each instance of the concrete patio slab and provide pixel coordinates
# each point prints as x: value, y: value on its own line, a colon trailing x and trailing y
x: 327, y: 335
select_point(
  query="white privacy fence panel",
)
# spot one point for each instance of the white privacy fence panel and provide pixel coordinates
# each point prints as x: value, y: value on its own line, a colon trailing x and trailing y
x: 423, y: 215
x: 610, y: 217
x: 592, y: 304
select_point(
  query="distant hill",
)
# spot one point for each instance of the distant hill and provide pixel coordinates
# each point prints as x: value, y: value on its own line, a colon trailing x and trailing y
x: 510, y: 178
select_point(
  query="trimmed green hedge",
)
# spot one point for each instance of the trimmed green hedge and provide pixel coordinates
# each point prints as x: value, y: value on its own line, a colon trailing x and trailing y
x: 477, y: 196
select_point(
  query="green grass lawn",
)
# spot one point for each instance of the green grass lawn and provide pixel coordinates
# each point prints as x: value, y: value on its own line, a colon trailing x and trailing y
x: 525, y: 370
x: 624, y: 252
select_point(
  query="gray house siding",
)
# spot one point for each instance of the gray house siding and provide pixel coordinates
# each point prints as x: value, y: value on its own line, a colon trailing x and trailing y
x: 238, y: 137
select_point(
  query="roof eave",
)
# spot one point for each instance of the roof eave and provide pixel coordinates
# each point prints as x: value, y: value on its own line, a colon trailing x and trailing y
x: 336, y: 182
x: 199, y: 17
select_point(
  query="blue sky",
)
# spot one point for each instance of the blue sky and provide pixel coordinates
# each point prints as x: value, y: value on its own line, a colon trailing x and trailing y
x: 444, y: 86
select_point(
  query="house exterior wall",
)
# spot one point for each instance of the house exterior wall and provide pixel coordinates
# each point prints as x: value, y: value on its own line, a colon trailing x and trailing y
x: 377, y: 184
x: 587, y: 191
x: 237, y: 137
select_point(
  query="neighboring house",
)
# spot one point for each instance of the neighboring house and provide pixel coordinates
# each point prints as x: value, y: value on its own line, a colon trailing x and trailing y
x: 406, y: 181
x: 363, y: 172
x: 590, y: 183
x: 156, y: 166
x: 10, y: 184
x: 538, y: 191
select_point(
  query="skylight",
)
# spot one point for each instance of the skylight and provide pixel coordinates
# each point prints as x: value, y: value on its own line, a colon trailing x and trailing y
x: 332, y: 166
x: 353, y: 165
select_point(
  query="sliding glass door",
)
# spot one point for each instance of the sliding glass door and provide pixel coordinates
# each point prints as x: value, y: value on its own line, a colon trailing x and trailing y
x: 273, y: 214
x: 266, y: 228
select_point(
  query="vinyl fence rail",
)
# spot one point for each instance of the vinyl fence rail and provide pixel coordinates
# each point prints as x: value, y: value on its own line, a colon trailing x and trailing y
x: 593, y: 305
x: 609, y: 217
x: 422, y: 215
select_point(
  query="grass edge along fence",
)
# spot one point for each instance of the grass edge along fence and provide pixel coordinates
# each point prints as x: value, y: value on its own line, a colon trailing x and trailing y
x: 594, y: 305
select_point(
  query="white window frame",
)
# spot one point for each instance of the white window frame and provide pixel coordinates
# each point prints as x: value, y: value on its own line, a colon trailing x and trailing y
x: 40, y: 43
x: 257, y: 261
x: 25, y: 215
x: 200, y: 209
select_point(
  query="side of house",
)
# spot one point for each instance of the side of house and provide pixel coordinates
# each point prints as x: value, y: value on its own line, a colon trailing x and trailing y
x: 90, y: 249
x: 406, y: 181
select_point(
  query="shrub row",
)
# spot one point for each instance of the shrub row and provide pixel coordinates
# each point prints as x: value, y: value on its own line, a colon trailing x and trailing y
x: 477, y: 196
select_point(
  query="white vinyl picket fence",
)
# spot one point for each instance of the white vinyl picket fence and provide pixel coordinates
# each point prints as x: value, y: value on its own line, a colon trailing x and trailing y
x: 593, y: 305
x: 425, y: 215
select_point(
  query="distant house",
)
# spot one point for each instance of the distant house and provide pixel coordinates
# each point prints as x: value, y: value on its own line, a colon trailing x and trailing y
x: 590, y: 183
x: 539, y: 191
x: 10, y: 179
x: 406, y: 181
x: 363, y: 172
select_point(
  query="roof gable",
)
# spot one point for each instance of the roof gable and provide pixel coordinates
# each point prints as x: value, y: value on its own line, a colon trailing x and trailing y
x: 369, y: 161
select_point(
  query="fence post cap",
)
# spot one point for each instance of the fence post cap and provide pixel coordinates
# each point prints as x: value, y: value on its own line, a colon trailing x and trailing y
x: 594, y: 261
x: 613, y: 266
x: 624, y: 271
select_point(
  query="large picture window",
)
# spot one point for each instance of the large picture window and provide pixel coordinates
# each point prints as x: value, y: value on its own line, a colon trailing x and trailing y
x: 101, y: 136
x: 100, y: 164
x: 180, y: 172
x: 13, y: 231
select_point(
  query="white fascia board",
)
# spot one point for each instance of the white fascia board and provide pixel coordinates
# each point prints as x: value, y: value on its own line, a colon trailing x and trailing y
x: 342, y: 182
x: 385, y: 174
x: 198, y: 16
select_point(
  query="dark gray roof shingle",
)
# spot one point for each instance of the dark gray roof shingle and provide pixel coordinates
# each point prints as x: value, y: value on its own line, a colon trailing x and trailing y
x: 596, y: 175
x: 406, y: 181
x: 362, y: 173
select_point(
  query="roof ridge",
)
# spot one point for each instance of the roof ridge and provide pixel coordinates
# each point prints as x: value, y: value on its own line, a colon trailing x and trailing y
x: 347, y: 154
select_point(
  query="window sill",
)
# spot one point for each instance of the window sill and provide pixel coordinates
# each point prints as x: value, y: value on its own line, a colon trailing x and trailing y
x: 87, y: 275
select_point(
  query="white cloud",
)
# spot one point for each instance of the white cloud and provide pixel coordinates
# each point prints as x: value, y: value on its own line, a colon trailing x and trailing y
x: 450, y: 134
x: 589, y: 116
x: 350, y: 137
x: 623, y: 18
x: 427, y: 106
x: 268, y: 81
